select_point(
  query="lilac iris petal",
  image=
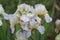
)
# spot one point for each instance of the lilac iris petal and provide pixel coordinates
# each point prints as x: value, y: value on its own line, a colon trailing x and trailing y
x: 27, y: 34
x: 41, y: 29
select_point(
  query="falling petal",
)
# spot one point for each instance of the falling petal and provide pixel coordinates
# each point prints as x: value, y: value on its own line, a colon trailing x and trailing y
x: 20, y: 35
x: 27, y: 34
x: 41, y: 29
x: 47, y: 18
x: 13, y: 18
x: 1, y: 23
x: 6, y: 16
x: 12, y: 29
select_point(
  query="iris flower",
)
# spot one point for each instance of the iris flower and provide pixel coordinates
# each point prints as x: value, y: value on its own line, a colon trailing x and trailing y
x: 42, y: 11
x: 57, y: 23
x: 29, y: 19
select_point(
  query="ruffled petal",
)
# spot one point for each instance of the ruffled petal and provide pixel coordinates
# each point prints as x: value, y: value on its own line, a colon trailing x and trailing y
x: 40, y: 9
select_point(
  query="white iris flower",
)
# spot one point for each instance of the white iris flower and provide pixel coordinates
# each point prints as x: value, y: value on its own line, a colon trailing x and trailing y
x: 57, y: 29
x: 28, y: 20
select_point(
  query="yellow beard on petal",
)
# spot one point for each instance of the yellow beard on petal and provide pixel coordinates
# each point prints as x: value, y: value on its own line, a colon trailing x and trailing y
x: 36, y: 26
x: 23, y: 11
x: 42, y: 13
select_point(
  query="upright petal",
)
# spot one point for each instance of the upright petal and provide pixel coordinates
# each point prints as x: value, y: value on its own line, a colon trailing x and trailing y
x: 1, y: 9
x: 32, y: 10
x: 23, y: 8
x: 40, y: 9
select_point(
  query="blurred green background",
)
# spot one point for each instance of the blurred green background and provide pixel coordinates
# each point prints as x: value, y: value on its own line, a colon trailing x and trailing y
x: 10, y: 7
